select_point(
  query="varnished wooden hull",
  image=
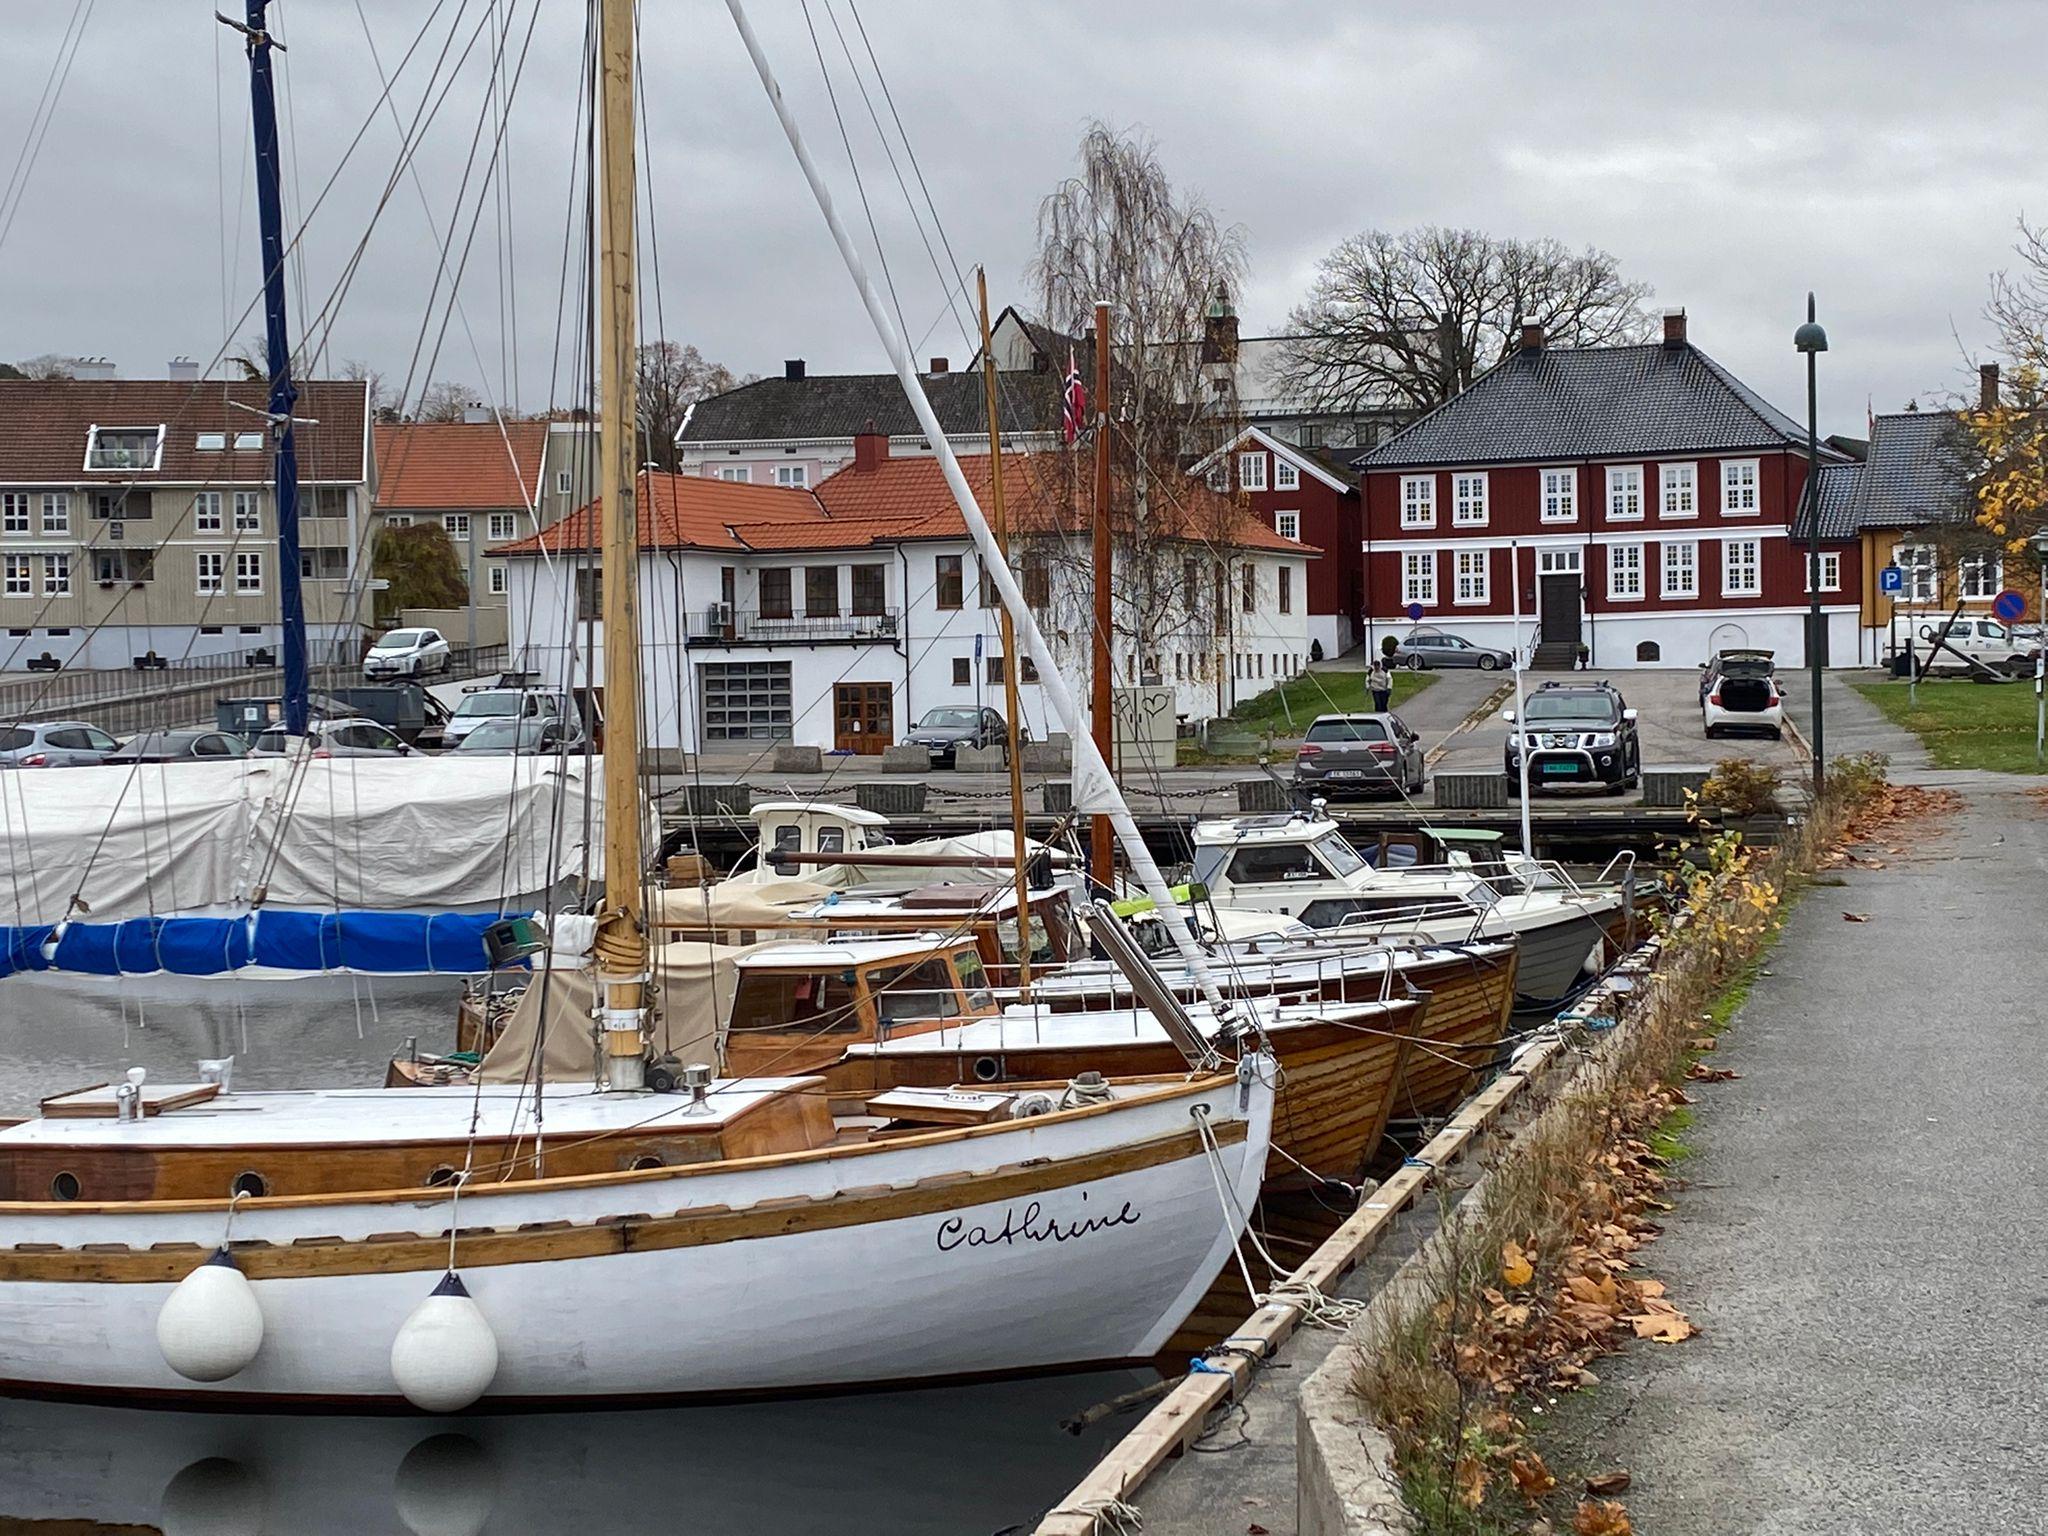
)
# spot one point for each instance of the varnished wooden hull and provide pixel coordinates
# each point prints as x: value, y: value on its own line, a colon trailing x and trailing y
x: 1470, y: 1003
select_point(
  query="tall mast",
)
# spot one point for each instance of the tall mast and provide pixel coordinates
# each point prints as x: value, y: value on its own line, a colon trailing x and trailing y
x: 621, y: 932
x: 1101, y: 855
x: 278, y: 358
x: 1012, y: 662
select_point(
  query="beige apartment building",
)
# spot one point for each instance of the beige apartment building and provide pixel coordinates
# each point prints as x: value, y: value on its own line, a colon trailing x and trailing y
x: 137, y: 517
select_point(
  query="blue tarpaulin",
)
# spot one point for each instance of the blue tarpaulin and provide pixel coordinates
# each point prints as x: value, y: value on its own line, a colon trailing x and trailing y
x: 387, y: 943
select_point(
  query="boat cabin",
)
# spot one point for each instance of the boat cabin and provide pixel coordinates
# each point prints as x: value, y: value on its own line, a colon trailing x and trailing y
x: 1306, y: 867
x: 784, y: 827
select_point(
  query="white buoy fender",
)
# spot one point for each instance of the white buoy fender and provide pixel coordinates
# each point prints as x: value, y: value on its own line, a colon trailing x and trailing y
x: 445, y: 1355
x: 211, y: 1324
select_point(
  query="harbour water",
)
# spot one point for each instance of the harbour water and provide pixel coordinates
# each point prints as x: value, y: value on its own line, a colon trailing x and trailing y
x: 966, y: 1460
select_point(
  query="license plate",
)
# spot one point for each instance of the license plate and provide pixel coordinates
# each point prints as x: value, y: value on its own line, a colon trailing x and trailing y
x: 1562, y: 768
x: 1347, y: 773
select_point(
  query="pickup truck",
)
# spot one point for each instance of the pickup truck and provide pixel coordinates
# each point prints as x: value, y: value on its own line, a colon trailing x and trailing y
x: 1980, y: 639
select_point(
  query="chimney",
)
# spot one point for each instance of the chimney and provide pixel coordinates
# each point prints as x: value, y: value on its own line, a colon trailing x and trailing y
x: 940, y: 365
x: 793, y: 368
x: 1532, y: 336
x: 92, y: 368
x: 1674, y: 329
x: 870, y: 448
x: 475, y: 413
x: 182, y: 370
x: 1987, y: 387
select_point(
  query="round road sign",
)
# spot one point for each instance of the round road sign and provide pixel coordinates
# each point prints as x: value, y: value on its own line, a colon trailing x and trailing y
x: 2008, y: 606
x: 1415, y: 613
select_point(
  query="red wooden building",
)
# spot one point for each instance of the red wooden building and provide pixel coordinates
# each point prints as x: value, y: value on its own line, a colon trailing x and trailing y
x: 1639, y: 500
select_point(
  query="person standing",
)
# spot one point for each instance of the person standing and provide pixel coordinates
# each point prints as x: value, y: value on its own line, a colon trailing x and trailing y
x: 1381, y: 684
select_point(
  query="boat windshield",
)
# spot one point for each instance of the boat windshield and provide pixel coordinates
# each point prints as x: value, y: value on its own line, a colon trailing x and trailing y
x: 922, y: 991
x: 1209, y: 861
x: 1338, y: 853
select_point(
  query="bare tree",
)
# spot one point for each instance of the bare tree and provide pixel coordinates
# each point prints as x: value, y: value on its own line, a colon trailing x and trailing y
x: 674, y: 377
x: 1408, y: 320
x: 356, y: 371
x: 46, y: 365
x: 443, y: 402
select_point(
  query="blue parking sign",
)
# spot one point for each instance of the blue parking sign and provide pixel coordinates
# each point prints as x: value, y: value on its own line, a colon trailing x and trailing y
x: 1891, y: 580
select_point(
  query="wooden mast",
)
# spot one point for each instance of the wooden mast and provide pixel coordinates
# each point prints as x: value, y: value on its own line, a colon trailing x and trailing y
x: 622, y: 953
x: 1101, y: 858
x: 1012, y: 662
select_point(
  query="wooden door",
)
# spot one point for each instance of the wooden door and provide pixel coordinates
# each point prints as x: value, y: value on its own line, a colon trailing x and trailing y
x: 863, y: 718
x: 1560, y: 607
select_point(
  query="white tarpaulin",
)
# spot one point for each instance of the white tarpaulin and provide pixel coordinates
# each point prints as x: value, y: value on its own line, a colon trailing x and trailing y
x: 384, y: 834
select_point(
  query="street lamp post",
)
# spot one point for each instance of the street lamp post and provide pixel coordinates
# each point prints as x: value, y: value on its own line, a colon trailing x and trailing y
x: 2039, y: 544
x: 1813, y: 341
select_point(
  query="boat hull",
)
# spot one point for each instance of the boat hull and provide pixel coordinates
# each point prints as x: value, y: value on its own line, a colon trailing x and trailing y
x: 1461, y: 1037
x: 1031, y: 1245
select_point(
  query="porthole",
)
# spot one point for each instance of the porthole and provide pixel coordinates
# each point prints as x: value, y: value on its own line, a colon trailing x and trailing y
x: 249, y: 1183
x: 64, y: 1186
x: 987, y: 1069
x: 440, y: 1176
x: 647, y: 1160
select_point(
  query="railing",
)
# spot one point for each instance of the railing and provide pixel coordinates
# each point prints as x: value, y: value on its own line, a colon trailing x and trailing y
x: 753, y: 626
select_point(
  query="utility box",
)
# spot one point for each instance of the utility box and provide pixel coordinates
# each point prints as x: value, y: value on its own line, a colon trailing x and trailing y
x: 1146, y: 731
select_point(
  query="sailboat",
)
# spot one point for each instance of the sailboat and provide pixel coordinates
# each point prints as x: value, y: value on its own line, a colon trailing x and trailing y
x: 180, y: 1242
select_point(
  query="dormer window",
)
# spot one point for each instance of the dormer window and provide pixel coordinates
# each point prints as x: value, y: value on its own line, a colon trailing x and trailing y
x: 123, y: 447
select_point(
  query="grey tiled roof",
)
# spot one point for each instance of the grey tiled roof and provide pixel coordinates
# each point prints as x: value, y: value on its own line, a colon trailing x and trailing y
x: 1839, y: 486
x: 830, y: 405
x: 1915, y: 472
x: 1575, y: 403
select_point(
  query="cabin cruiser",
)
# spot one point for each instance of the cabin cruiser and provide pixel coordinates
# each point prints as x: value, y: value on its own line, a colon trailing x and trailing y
x: 1302, y: 865
x: 819, y: 841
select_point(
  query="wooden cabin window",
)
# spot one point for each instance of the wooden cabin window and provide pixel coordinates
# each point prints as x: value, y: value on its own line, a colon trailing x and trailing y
x: 926, y: 990
x: 792, y: 1002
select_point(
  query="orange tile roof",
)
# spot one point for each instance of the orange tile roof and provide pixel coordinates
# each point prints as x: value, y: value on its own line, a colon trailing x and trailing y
x: 456, y: 466
x: 682, y: 512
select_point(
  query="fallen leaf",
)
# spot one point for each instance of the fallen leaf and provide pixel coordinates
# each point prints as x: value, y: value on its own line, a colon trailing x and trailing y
x: 1532, y: 1478
x: 1700, y: 1072
x: 1606, y: 1484
x: 1855, y: 917
x: 1650, y: 1287
x: 1705, y: 1043
x: 1515, y: 1267
x: 1601, y: 1517
x: 1663, y: 1327
x: 1470, y: 1478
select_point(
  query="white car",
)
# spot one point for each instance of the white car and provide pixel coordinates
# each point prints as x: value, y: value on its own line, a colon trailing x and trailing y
x: 408, y: 653
x: 481, y: 704
x: 1739, y: 692
x: 346, y: 737
x: 1984, y: 640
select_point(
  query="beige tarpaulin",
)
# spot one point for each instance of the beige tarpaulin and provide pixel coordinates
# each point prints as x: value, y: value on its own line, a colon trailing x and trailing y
x: 694, y: 998
x: 735, y: 904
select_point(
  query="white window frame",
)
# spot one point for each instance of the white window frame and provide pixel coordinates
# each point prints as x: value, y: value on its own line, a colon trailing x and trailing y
x: 1471, y: 581
x: 1678, y: 491
x: 57, y: 575
x: 19, y: 578
x: 1251, y: 470
x: 561, y: 482
x: 1418, y: 501
x: 210, y: 572
x: 457, y: 526
x: 1731, y: 573
x: 156, y: 452
x: 397, y: 519
x: 1988, y: 582
x: 1690, y: 566
x: 17, y: 513
x: 249, y: 573
x: 1922, y: 576
x: 206, y: 513
x: 248, y: 512
x: 1558, y: 493
x: 499, y: 581
x: 1418, y: 576
x: 1630, y: 591
x: 56, y: 519
x: 1624, y: 493
x: 1740, y: 499
x: 1830, y: 571
x: 1567, y: 561
x: 1288, y: 525
x: 1469, y: 494
x: 793, y: 477
x: 501, y: 526
x: 1283, y: 588
x: 1286, y: 476
x: 733, y: 474
x: 210, y: 442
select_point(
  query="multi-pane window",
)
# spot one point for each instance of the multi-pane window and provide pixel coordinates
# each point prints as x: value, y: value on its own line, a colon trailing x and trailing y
x: 963, y: 674
x: 561, y: 482
x: 1917, y: 561
x: 499, y: 581
x: 14, y: 513
x: 1037, y: 581
x: 1248, y: 599
x: 1979, y: 578
x: 745, y: 700
x: 1418, y: 576
x: 737, y: 474
x: 1624, y: 571
x: 1830, y: 571
x: 56, y: 575
x: 1251, y: 471
x: 249, y: 512
x: 1285, y: 596
x: 17, y: 577
x: 1681, y: 491
x: 210, y: 567
x: 1681, y: 569
x: 1468, y: 500
x: 869, y: 588
x: 1285, y: 476
x: 948, y: 583
x: 821, y: 591
x: 206, y: 512
x: 1741, y: 570
x: 1739, y: 488
x: 1471, y: 575
x: 1418, y: 501
x: 1560, y: 495
x: 793, y: 476
x: 1219, y: 475
x: 1624, y: 493
x: 1287, y: 525
x: 457, y: 523
x: 503, y: 526
x: 249, y: 573
x: 775, y: 593
x: 56, y: 511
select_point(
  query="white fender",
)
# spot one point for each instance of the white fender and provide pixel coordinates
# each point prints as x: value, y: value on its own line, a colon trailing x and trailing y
x: 211, y: 1325
x: 445, y: 1355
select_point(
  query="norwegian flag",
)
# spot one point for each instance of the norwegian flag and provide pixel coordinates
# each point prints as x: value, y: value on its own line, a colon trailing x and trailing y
x: 1073, y: 401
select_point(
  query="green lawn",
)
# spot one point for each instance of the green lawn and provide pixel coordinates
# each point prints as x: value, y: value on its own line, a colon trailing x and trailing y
x: 1308, y: 694
x: 1965, y: 724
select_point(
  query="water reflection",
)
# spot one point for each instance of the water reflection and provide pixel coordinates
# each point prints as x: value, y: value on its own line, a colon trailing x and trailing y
x: 946, y: 1462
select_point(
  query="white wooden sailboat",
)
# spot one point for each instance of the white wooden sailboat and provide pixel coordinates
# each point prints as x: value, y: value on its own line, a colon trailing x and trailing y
x: 175, y: 1242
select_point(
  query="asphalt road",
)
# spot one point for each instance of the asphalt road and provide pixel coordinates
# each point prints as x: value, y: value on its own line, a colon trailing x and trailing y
x: 1859, y: 1234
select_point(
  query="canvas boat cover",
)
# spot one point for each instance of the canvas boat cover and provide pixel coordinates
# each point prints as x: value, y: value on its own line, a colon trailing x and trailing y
x: 391, y: 835
x: 375, y: 943
x: 736, y: 904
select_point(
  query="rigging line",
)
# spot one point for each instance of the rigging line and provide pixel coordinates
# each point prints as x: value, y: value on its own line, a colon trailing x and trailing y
x: 853, y: 163
x: 32, y: 144
x: 308, y: 360
x: 220, y: 173
x: 29, y: 142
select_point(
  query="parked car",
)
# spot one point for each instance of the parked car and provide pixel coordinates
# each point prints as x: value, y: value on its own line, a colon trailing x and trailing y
x: 1358, y: 754
x: 54, y: 744
x: 349, y: 736
x: 1574, y: 733
x: 189, y: 744
x: 1739, y: 692
x: 1430, y: 648
x: 479, y: 705
x: 944, y: 730
x: 520, y: 738
x: 1984, y: 640
x: 407, y: 653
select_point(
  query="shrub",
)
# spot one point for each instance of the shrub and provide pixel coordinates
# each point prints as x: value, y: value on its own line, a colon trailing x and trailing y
x: 1741, y: 787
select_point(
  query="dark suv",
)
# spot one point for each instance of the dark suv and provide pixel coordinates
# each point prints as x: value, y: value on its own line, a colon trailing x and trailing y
x: 1575, y: 733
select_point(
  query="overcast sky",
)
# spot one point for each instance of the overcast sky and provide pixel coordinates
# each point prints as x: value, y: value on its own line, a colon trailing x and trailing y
x: 1731, y: 155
